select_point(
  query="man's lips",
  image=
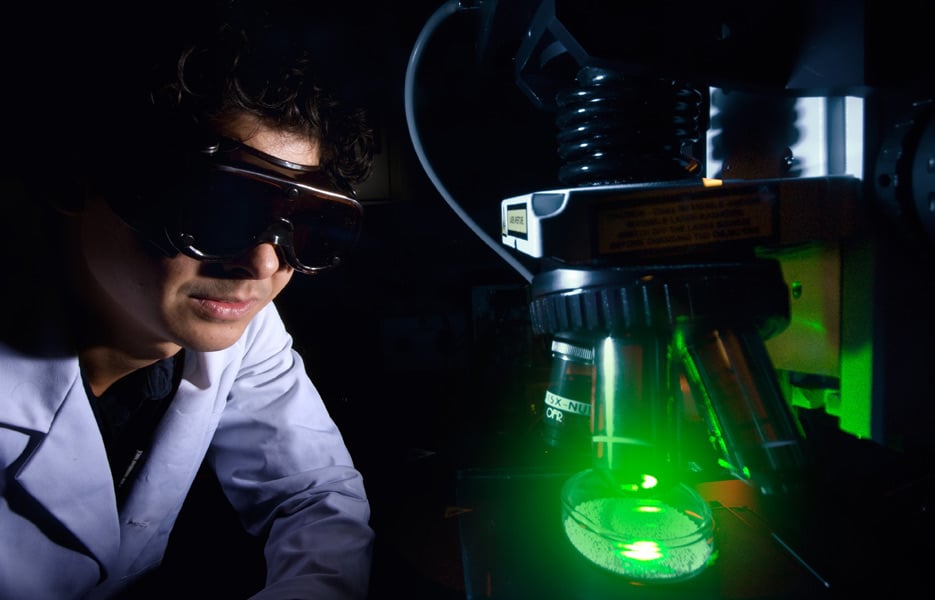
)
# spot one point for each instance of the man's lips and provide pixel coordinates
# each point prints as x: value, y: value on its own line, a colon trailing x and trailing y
x: 223, y: 308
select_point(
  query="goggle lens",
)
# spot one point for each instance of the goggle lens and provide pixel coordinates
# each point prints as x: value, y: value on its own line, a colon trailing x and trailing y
x: 231, y: 202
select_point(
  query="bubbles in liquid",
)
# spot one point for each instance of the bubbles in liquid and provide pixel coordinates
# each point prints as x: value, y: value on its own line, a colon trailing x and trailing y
x: 641, y: 540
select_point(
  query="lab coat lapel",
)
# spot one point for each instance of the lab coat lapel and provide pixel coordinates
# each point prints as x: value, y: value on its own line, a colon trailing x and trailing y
x: 67, y: 472
x: 179, y: 447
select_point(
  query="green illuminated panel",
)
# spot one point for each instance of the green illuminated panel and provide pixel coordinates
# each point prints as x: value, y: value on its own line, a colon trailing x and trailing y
x: 855, y: 411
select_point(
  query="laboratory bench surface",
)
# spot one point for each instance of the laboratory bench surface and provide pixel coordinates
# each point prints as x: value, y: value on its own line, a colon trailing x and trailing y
x: 465, y: 517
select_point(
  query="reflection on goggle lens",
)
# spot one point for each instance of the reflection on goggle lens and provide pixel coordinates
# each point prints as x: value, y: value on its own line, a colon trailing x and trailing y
x: 233, y: 197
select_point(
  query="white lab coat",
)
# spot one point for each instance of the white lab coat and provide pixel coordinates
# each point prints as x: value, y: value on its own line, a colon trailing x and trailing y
x: 250, y: 411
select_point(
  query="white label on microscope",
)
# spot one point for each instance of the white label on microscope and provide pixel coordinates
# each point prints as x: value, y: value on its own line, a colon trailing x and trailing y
x: 567, y: 404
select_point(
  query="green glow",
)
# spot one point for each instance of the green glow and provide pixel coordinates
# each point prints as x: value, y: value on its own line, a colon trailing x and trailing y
x: 642, y: 551
x: 609, y: 367
x: 855, y: 410
x: 744, y: 471
x: 643, y: 540
x: 648, y: 483
x: 666, y: 535
x: 856, y: 385
x: 811, y: 324
x: 715, y: 434
x: 796, y: 288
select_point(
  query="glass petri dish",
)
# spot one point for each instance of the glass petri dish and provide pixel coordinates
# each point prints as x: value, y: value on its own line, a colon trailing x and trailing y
x: 645, y: 535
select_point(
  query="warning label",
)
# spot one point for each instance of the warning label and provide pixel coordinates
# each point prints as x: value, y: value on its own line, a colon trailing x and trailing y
x: 686, y: 222
x: 515, y: 220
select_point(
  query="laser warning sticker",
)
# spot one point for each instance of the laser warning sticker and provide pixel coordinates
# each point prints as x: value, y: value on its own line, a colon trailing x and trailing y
x: 515, y: 221
x: 692, y: 220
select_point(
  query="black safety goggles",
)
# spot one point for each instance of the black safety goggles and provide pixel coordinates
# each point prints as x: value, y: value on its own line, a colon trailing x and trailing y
x: 231, y: 197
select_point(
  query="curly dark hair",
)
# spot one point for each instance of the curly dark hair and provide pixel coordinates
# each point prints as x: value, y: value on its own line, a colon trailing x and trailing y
x: 270, y: 75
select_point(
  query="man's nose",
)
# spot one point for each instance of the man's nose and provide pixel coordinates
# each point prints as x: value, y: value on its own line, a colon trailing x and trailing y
x: 259, y: 262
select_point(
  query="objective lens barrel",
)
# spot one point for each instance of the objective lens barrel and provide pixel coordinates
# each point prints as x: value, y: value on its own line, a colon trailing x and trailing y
x: 750, y: 422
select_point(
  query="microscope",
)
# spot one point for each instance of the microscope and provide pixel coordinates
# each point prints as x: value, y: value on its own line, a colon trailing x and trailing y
x: 698, y: 281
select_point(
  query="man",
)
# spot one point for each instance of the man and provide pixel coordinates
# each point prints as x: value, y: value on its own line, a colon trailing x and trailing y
x: 180, y: 204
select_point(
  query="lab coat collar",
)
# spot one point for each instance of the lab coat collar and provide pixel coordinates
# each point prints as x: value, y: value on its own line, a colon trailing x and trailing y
x: 67, y: 471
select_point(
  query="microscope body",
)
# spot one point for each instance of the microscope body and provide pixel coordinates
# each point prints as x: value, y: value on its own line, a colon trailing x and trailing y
x: 748, y: 284
x: 699, y: 278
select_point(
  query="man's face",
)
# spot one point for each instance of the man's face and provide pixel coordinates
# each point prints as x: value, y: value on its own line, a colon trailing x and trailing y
x: 151, y: 305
